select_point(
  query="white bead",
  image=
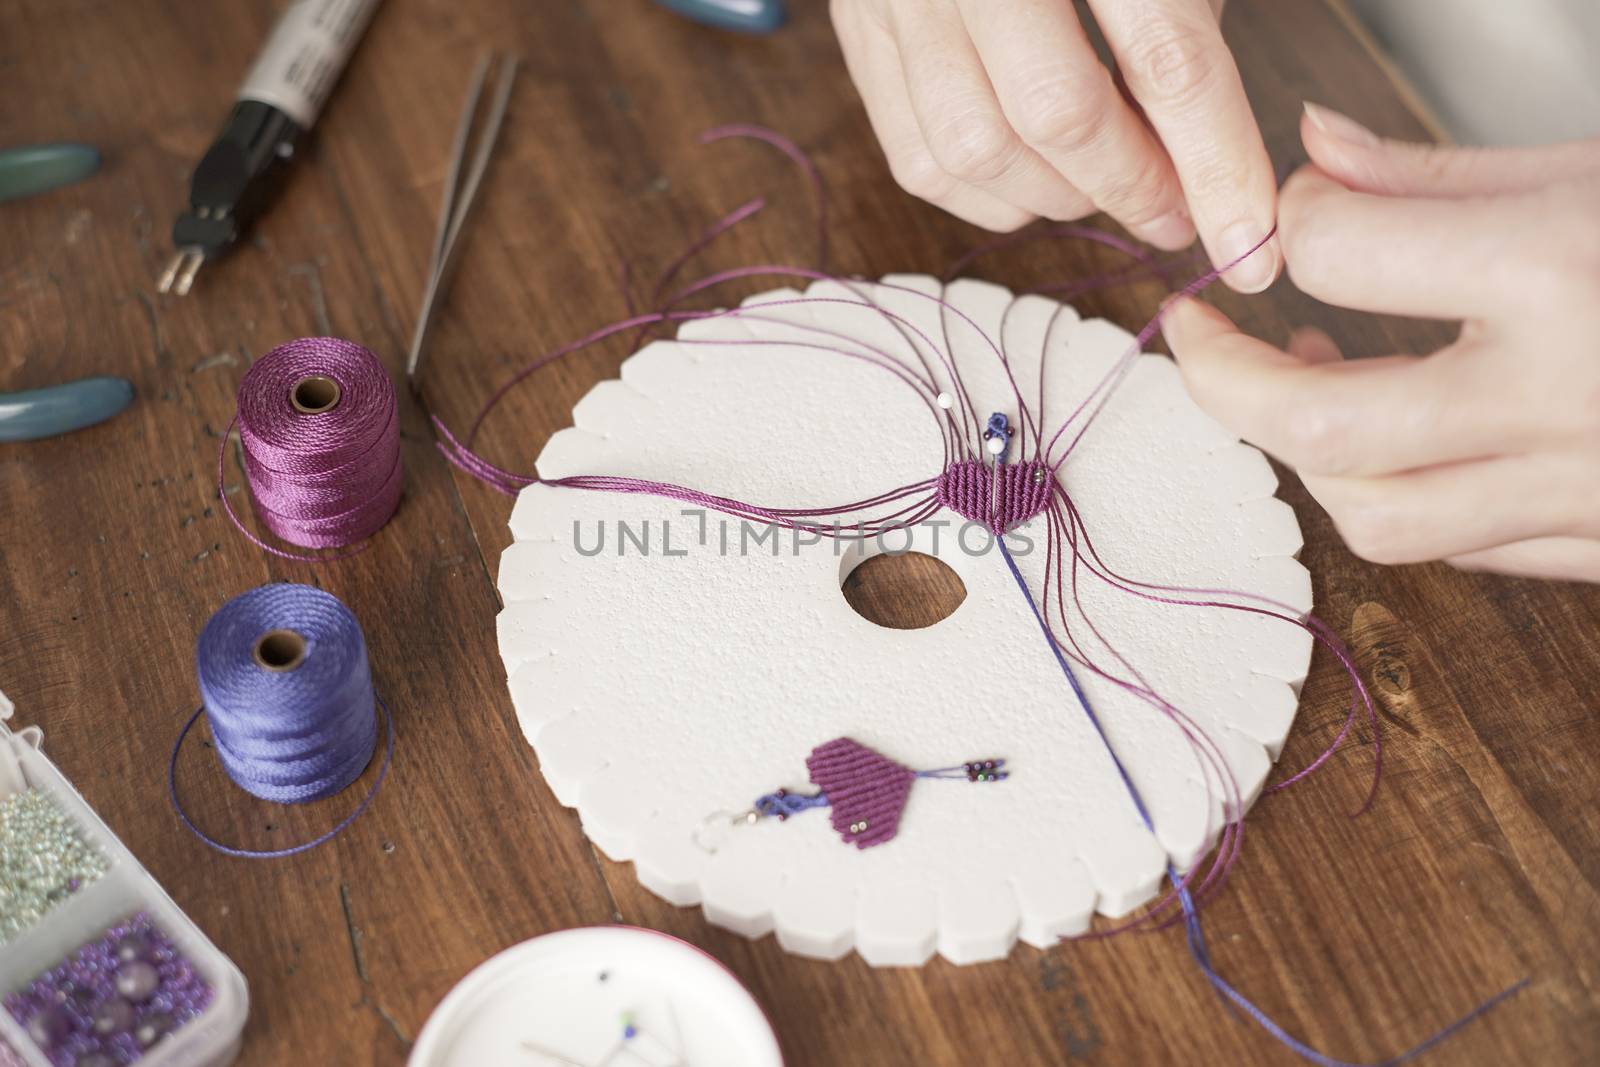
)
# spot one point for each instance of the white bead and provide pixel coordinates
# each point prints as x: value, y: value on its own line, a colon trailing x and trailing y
x: 996, y: 445
x: 946, y: 401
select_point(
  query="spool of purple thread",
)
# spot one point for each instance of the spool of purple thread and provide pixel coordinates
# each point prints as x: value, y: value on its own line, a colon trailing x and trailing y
x: 287, y: 689
x: 320, y: 424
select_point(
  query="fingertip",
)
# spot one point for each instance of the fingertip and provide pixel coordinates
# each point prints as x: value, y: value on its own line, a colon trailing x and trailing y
x: 1308, y: 179
x: 1311, y: 345
x: 1296, y: 203
x: 1327, y: 126
x: 1188, y: 324
x: 1341, y: 148
x: 1249, y: 259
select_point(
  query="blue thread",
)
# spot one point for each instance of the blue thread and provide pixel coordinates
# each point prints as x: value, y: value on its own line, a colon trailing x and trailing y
x: 294, y: 735
x: 1191, y: 914
x: 288, y: 736
x: 983, y: 770
x: 784, y: 803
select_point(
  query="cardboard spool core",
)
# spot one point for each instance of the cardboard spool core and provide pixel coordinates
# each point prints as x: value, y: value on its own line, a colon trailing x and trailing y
x: 280, y: 650
x: 315, y: 394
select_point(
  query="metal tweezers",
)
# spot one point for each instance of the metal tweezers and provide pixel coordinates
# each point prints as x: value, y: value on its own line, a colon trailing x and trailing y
x: 459, y: 196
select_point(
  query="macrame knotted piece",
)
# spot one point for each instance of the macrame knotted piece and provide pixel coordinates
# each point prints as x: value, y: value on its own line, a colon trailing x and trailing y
x: 967, y: 488
x: 868, y: 791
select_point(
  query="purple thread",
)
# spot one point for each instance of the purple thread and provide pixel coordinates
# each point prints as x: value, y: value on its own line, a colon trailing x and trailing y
x: 1102, y: 391
x: 287, y: 736
x: 798, y: 155
x: 1191, y: 914
x: 322, y: 480
x: 1189, y: 908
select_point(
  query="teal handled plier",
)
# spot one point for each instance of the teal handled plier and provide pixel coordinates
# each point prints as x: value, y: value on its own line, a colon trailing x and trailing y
x: 58, y: 409
x: 38, y: 168
x: 55, y: 409
x: 748, y: 16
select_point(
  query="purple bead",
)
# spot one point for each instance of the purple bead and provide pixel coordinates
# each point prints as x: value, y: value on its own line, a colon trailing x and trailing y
x: 114, y: 1016
x: 81, y: 997
x: 98, y: 1008
x: 152, y: 1029
x: 138, y: 981
x: 133, y: 946
x: 49, y: 1025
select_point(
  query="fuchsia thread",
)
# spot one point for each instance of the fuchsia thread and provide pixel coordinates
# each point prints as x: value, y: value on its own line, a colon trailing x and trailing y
x: 1190, y: 911
x: 323, y: 479
x: 798, y: 156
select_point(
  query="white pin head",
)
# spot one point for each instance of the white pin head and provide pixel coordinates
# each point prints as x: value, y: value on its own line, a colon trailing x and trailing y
x: 946, y: 401
x: 996, y: 445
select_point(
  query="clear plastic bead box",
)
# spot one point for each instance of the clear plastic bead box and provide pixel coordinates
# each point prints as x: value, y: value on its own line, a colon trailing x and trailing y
x: 210, y: 1040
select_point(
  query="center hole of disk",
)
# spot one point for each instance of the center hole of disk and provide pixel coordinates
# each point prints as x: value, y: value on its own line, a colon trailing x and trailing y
x: 314, y: 394
x: 904, y: 590
x: 280, y: 650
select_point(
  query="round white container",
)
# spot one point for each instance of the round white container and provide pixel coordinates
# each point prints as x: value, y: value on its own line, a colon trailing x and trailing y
x: 569, y: 999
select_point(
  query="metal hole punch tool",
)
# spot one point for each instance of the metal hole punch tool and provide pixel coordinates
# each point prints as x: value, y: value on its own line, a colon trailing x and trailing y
x: 279, y: 101
x: 459, y: 195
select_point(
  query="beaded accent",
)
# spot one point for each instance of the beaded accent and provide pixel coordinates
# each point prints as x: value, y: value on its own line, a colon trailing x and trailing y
x: 113, y: 999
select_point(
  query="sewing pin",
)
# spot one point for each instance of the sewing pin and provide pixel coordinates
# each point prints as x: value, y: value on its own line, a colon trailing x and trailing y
x: 634, y: 1042
x: 999, y: 438
x: 554, y: 1057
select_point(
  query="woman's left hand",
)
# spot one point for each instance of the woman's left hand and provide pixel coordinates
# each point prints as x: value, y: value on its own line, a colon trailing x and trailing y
x: 1485, y: 453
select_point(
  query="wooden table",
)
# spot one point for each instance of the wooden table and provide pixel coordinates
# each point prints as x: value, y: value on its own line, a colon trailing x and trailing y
x: 1479, y: 865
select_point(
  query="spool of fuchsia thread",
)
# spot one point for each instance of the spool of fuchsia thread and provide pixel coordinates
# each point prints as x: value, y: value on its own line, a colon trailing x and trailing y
x: 320, y: 425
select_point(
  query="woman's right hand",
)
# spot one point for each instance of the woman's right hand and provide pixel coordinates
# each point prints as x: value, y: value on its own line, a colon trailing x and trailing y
x: 999, y: 111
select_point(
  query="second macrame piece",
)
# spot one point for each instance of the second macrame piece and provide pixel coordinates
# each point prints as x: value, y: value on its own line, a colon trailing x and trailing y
x: 672, y: 665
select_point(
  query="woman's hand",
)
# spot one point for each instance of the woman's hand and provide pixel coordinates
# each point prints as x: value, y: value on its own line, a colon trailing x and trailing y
x: 1485, y: 453
x: 999, y: 111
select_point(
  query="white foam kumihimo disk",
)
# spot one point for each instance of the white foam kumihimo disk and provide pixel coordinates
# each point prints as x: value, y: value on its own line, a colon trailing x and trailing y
x: 665, y: 686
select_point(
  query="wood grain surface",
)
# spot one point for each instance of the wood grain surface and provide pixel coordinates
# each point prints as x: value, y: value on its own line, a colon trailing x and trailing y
x: 1479, y: 865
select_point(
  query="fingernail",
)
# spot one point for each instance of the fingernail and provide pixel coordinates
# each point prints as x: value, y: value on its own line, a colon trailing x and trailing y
x: 1340, y: 127
x: 1170, y: 232
x: 1256, y: 266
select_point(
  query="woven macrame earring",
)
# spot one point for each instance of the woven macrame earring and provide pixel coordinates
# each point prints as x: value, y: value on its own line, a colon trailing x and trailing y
x: 866, y: 790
